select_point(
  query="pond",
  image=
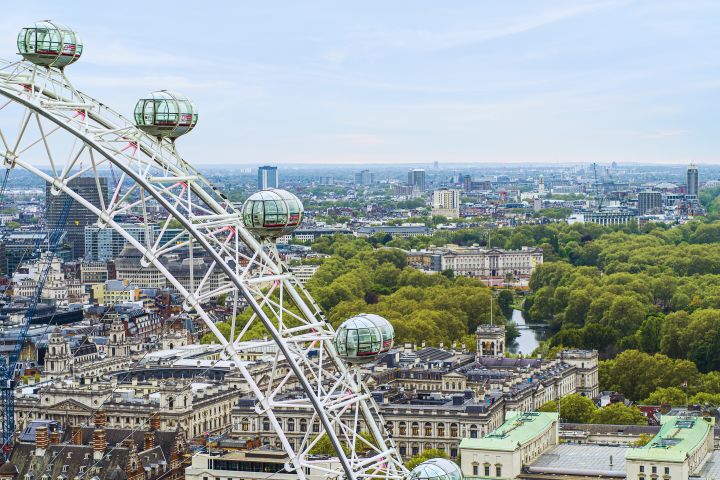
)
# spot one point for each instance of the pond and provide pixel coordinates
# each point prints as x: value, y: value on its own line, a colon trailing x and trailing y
x: 531, y: 334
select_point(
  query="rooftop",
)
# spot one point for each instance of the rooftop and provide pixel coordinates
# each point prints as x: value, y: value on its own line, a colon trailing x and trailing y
x: 519, y: 428
x: 677, y: 438
x: 574, y: 459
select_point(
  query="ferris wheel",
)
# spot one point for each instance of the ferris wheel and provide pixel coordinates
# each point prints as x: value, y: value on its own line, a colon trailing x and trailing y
x: 54, y: 131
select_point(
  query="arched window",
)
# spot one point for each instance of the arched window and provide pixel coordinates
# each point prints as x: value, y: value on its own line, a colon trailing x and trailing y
x: 428, y: 429
x: 266, y: 424
x: 415, y: 430
x: 454, y: 430
x: 403, y: 428
x: 303, y: 425
x: 291, y: 425
x: 245, y: 425
x: 473, y: 431
x: 441, y: 430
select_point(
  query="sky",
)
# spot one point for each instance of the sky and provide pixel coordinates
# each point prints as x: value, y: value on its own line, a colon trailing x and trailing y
x: 390, y: 82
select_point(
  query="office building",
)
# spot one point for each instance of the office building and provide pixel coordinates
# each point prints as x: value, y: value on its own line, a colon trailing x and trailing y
x: 364, y: 177
x: 79, y: 217
x: 104, y: 244
x: 446, y: 202
x: 650, y: 202
x: 267, y: 177
x: 692, y: 180
x: 260, y: 463
x: 416, y: 179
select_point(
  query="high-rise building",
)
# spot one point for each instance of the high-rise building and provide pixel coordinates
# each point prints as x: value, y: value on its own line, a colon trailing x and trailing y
x: 416, y: 179
x: 267, y: 177
x: 692, y: 180
x: 650, y: 202
x: 79, y: 217
x: 446, y: 202
x: 104, y: 244
x: 364, y: 177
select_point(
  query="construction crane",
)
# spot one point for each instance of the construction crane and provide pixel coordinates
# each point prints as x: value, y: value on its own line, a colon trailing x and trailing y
x: 7, y: 369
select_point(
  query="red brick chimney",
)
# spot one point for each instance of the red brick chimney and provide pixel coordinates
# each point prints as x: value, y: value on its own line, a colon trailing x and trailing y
x: 99, y: 443
x: 149, y: 441
x: 76, y: 435
x: 41, y: 437
x: 100, y: 419
x: 154, y: 421
x: 55, y: 437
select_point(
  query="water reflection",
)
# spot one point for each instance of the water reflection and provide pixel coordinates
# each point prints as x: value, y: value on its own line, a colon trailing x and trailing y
x: 530, y: 334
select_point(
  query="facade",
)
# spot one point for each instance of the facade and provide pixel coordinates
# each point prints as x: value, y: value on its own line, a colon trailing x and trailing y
x: 402, y: 231
x: 679, y: 450
x: 650, y: 202
x: 57, y: 289
x: 113, y: 292
x: 303, y: 273
x: 79, y: 217
x: 267, y: 177
x: 446, y: 202
x: 604, y: 218
x: 104, y: 244
x: 416, y: 180
x: 692, y: 180
x: 433, y: 398
x: 364, y: 177
x: 478, y: 262
x: 503, y: 452
x: 256, y: 464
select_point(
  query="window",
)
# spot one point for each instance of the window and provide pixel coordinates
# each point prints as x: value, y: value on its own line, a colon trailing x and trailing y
x: 667, y: 470
x: 476, y: 469
x: 498, y: 470
x: 654, y: 469
x: 415, y: 430
x: 428, y: 429
x: 487, y: 470
x: 266, y: 425
x: 291, y: 425
x: 642, y: 468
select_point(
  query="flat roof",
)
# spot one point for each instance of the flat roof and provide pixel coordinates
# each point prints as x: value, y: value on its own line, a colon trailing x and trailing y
x: 677, y: 438
x: 711, y: 468
x: 519, y: 428
x: 570, y: 457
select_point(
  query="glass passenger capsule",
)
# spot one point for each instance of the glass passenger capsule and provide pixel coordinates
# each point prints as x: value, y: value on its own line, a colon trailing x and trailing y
x: 49, y: 44
x: 165, y: 115
x: 272, y: 213
x: 436, y: 469
x: 363, y: 338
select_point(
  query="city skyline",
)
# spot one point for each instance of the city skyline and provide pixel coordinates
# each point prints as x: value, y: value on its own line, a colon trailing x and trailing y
x: 564, y: 82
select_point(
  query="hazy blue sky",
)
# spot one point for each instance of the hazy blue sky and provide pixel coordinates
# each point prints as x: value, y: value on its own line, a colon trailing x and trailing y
x: 410, y: 81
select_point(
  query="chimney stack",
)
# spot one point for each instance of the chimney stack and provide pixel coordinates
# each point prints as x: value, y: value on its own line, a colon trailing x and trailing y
x: 99, y: 443
x: 100, y: 419
x: 76, y: 435
x: 41, y: 440
x: 55, y: 437
x: 149, y: 441
x: 154, y: 421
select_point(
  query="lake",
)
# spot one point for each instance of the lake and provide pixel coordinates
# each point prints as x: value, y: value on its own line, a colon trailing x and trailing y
x: 530, y: 334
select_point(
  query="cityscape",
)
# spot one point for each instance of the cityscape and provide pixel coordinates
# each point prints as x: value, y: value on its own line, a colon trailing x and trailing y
x: 167, y: 316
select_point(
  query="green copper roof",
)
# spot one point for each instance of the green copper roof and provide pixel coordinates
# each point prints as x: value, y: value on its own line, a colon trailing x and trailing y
x: 677, y: 438
x: 519, y: 428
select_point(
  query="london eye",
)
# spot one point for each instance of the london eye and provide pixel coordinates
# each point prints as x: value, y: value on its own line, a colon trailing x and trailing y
x: 58, y: 133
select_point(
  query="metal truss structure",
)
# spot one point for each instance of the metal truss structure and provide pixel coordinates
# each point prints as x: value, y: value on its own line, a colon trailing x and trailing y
x: 57, y: 133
